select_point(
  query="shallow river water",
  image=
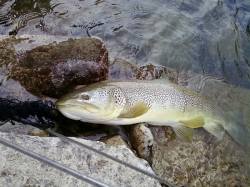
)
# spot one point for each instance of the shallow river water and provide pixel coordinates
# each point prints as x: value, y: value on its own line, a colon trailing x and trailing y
x: 208, y: 39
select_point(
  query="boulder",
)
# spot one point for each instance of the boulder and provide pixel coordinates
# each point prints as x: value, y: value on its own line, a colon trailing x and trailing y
x: 55, y: 69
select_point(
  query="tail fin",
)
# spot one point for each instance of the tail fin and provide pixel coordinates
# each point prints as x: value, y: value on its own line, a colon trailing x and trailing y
x: 237, y: 128
x: 239, y: 133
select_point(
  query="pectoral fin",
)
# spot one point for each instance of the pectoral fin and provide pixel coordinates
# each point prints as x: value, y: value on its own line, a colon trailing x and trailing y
x: 194, y: 122
x: 138, y: 109
x: 182, y: 132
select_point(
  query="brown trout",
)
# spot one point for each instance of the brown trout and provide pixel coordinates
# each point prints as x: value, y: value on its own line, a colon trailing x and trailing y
x: 124, y: 102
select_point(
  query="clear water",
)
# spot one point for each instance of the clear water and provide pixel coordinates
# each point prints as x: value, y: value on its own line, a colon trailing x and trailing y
x: 205, y: 38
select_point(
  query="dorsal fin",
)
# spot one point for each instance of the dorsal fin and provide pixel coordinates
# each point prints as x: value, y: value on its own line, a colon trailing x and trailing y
x: 138, y: 109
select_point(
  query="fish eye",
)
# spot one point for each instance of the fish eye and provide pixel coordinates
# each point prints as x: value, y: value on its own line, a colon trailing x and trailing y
x: 84, y: 97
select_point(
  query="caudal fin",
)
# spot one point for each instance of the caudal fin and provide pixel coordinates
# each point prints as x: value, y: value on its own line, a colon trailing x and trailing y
x: 215, y: 129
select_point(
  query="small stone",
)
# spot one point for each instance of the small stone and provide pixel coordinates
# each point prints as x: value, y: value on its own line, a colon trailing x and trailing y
x: 38, y: 132
x: 121, y: 69
x: 150, y: 72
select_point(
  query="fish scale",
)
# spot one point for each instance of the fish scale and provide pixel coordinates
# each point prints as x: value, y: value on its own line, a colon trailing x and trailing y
x: 164, y: 95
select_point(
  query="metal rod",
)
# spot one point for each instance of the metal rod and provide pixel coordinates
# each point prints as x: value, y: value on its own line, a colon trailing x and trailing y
x: 53, y: 164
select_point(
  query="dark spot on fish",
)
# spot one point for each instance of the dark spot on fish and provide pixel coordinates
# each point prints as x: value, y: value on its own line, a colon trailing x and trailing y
x: 85, y: 97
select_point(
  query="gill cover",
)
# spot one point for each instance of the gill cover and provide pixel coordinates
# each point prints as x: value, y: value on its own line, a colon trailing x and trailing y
x: 110, y: 100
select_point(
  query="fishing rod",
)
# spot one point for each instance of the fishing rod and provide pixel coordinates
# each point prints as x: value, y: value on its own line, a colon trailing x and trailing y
x: 42, y: 114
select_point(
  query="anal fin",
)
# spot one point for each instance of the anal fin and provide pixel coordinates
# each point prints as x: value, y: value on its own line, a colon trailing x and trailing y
x: 183, y: 132
x: 194, y: 122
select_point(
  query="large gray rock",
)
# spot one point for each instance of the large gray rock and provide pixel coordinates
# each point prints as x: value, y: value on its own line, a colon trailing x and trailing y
x: 17, y: 169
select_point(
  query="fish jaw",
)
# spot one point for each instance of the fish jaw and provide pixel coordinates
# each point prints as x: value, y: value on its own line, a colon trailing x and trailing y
x: 76, y: 111
x: 67, y: 112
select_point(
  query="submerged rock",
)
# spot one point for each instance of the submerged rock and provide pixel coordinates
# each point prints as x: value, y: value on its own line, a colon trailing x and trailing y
x: 206, y: 161
x: 121, y: 69
x: 55, y: 69
x: 150, y: 72
x: 38, y: 132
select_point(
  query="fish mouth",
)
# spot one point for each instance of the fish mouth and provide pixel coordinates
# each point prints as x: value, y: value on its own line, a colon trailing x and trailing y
x: 77, y: 112
x: 68, y: 105
x: 89, y: 108
x: 65, y: 106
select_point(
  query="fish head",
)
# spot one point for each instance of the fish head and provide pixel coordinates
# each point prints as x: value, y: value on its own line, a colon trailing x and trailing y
x: 99, y: 102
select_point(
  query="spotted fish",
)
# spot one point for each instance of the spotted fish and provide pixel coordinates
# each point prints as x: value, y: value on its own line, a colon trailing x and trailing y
x: 124, y: 102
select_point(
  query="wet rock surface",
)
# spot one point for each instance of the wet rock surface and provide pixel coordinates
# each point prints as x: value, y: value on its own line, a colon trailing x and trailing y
x: 150, y: 72
x: 9, y: 88
x: 55, y: 69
